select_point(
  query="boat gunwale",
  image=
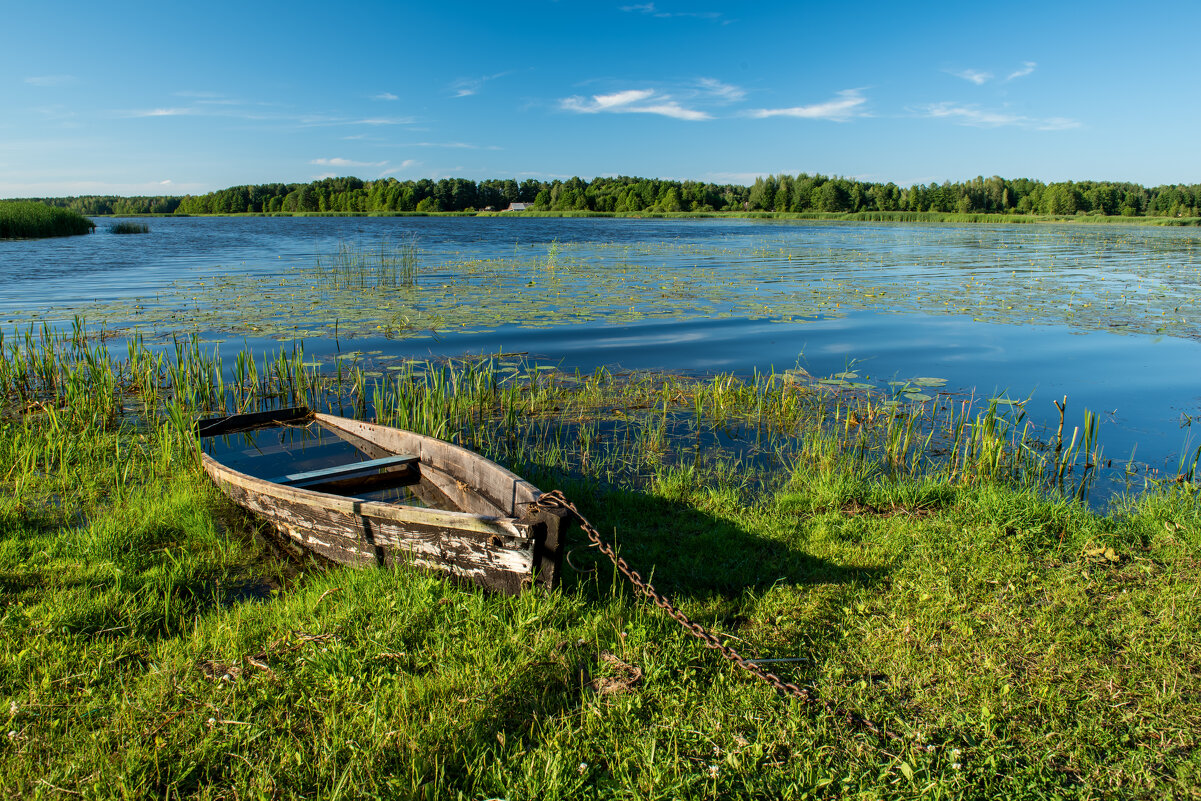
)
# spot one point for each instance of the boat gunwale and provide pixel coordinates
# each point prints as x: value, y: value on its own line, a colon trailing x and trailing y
x: 358, y: 507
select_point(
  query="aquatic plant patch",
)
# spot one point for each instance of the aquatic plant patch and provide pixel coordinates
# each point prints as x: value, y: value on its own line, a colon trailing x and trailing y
x: 1074, y: 279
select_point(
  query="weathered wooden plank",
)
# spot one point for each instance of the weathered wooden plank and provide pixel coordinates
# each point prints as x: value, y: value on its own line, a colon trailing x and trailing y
x: 424, y: 489
x: 480, y: 524
x: 216, y: 426
x: 407, y: 476
x: 497, y: 563
x: 338, y: 472
x: 507, y: 491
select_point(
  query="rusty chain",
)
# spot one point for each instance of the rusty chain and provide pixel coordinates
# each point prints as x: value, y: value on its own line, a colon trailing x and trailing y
x: 557, y: 500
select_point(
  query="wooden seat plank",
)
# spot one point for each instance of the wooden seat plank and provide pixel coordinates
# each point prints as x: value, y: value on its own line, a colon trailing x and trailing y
x: 342, y: 471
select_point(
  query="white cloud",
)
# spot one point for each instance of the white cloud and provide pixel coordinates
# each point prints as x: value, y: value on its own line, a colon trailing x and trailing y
x: 385, y: 96
x: 340, y: 162
x: 466, y: 87
x: 722, y: 91
x: 449, y: 145
x: 847, y: 105
x: 979, y: 77
x: 649, y: 8
x: 633, y: 101
x: 237, y: 110
x: 977, y: 117
x: 167, y: 182
x: 404, y: 165
x: 378, y: 121
x: 68, y: 188
x: 1026, y: 69
x: 975, y: 76
x: 51, y: 80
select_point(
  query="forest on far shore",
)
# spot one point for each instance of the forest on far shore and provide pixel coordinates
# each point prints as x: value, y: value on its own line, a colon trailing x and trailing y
x: 785, y: 193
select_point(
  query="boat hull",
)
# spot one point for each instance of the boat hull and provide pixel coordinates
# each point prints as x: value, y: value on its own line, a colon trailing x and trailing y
x: 488, y: 534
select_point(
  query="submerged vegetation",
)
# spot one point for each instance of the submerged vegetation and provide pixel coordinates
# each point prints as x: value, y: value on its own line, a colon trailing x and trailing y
x: 909, y: 557
x: 128, y: 227
x: 29, y: 220
x: 394, y: 291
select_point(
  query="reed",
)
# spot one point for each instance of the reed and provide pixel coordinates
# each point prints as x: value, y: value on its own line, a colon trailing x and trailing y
x: 128, y: 227
x: 29, y: 220
x: 394, y: 265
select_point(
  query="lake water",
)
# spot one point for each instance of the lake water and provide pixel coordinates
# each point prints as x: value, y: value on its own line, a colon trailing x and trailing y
x: 1109, y: 316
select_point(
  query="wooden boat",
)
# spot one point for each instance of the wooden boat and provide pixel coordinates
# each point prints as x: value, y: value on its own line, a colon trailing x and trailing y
x: 478, y: 524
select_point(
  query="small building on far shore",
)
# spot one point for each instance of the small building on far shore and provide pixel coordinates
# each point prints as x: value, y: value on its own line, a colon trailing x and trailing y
x: 519, y: 206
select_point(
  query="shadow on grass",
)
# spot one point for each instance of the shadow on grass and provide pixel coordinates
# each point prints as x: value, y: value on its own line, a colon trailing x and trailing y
x: 690, y: 553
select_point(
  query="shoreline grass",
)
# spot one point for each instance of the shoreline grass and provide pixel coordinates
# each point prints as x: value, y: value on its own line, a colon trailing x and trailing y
x: 29, y: 220
x: 1023, y: 645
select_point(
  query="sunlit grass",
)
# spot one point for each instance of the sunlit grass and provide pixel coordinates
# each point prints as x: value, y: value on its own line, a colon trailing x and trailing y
x: 1021, y: 644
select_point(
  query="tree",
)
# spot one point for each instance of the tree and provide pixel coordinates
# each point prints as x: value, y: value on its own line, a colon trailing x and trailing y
x: 833, y: 197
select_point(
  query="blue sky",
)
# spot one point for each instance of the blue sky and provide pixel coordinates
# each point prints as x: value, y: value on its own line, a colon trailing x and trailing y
x: 168, y: 98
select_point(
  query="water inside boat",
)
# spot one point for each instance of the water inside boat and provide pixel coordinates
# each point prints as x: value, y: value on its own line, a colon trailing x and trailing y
x: 289, y: 450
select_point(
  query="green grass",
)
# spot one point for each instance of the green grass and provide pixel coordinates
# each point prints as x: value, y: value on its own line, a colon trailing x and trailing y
x: 126, y: 227
x: 28, y: 220
x: 153, y: 645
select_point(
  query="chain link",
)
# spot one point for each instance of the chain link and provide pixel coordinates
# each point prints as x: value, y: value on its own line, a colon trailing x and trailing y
x: 556, y: 500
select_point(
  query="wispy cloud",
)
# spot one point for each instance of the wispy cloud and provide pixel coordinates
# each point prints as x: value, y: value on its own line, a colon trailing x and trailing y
x: 385, y: 96
x: 846, y: 106
x: 466, y: 87
x: 449, y: 145
x: 1026, y: 68
x: 51, y: 80
x: 632, y: 101
x: 651, y: 10
x: 721, y: 91
x: 404, y: 165
x: 257, y: 113
x: 373, y: 121
x: 977, y: 117
x: 980, y: 77
x: 164, y: 112
x: 341, y: 162
x: 977, y: 77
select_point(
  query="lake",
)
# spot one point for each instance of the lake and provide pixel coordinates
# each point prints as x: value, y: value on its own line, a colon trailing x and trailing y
x: 1108, y: 315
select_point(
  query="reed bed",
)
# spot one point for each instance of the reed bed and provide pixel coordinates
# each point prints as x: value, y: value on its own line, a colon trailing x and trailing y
x: 392, y: 266
x: 128, y: 227
x: 615, y: 427
x: 30, y: 220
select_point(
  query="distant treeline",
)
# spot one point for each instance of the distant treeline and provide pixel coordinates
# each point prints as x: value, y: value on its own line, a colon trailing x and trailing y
x: 783, y: 193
